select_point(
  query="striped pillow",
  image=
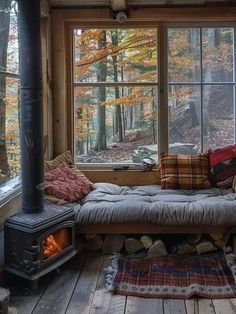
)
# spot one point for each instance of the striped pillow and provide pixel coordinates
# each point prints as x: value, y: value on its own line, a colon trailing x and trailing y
x: 184, y: 172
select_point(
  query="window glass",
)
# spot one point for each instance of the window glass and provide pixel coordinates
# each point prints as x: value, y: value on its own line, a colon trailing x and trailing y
x: 9, y: 98
x: 115, y: 100
x: 184, y: 55
x: 201, y: 88
x: 218, y: 113
x: 184, y: 119
x: 217, y: 54
x: 115, y: 55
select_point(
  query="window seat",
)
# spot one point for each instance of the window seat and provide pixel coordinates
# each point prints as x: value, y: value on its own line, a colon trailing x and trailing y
x: 149, y: 209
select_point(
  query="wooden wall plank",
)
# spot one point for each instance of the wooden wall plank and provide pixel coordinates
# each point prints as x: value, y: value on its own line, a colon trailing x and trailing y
x: 59, y: 84
x: 200, y: 14
x: 164, y: 14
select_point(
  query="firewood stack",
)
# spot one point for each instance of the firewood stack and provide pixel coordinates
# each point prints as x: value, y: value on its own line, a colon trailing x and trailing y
x: 153, y: 245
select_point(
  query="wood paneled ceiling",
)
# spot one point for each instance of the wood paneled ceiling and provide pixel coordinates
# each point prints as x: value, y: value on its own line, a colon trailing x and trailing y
x: 138, y: 3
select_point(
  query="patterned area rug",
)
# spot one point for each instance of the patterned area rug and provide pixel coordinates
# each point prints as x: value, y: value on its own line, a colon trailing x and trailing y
x: 174, y: 276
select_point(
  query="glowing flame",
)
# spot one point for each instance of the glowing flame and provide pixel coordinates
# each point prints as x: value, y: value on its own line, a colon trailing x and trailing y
x: 51, y: 247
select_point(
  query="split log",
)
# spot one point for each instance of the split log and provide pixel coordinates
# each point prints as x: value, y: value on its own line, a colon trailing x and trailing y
x: 221, y: 243
x: 205, y: 246
x: 113, y: 243
x: 157, y: 249
x: 132, y: 245
x: 146, y: 241
x: 4, y: 300
x: 94, y: 244
x: 185, y: 247
x: 216, y: 236
x: 194, y: 238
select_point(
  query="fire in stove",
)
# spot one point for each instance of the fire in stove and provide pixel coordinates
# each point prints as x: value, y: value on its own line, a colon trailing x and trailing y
x: 36, y: 244
x: 56, y: 242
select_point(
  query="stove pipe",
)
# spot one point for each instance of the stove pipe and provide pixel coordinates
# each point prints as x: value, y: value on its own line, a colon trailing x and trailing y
x: 31, y: 106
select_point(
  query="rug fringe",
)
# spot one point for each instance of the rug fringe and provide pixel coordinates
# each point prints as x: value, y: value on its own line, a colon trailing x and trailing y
x: 110, y: 272
x: 231, y: 261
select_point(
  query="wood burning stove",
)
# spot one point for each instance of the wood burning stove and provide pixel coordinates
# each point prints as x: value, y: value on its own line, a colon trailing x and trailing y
x: 38, y: 243
x: 41, y: 237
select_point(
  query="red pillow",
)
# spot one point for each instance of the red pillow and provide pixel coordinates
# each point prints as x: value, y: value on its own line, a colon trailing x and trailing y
x: 64, y: 183
x: 223, y: 166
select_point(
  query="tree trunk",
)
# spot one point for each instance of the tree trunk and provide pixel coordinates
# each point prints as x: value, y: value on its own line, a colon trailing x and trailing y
x: 101, y: 142
x: 80, y: 143
x: 208, y: 78
x: 5, y: 6
x: 118, y: 120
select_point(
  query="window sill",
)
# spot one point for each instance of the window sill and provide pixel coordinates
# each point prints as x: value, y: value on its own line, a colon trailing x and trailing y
x: 10, y: 190
x: 123, y: 177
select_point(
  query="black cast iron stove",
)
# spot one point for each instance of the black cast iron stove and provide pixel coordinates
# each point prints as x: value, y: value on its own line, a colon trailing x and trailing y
x: 37, y: 243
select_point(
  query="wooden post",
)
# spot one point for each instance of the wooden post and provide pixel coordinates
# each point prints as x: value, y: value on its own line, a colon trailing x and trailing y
x: 31, y: 107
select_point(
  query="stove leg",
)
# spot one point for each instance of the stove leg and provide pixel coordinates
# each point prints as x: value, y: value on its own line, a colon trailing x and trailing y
x: 34, y: 284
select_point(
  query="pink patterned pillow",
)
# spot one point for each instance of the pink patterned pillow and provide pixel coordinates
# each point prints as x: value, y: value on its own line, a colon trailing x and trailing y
x: 65, y: 183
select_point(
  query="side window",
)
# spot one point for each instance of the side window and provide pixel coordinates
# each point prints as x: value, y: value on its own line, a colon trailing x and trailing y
x: 9, y: 95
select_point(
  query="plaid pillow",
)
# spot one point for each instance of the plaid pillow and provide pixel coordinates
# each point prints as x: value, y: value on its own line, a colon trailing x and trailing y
x: 223, y: 166
x: 184, y: 172
x: 65, y: 157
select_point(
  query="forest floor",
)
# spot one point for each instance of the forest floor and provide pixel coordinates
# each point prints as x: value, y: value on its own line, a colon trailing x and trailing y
x: 122, y: 152
x: 221, y: 134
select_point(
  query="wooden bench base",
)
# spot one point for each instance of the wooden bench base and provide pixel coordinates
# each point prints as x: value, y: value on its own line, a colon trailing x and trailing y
x: 153, y: 229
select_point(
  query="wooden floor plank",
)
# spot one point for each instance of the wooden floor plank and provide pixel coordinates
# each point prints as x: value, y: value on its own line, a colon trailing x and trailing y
x: 58, y: 293
x: 191, y: 306
x: 104, y: 302
x: 206, y: 306
x: 224, y: 306
x: 174, y: 306
x: 82, y: 296
x: 137, y: 305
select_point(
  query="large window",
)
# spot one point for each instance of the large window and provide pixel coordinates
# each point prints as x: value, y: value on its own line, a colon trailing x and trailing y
x: 116, y: 90
x: 9, y: 97
x: 115, y: 94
